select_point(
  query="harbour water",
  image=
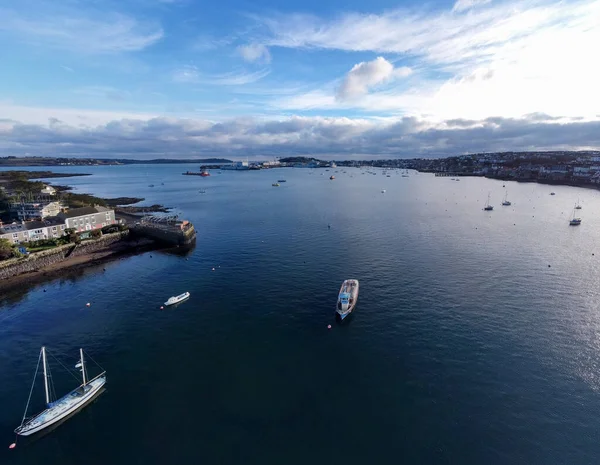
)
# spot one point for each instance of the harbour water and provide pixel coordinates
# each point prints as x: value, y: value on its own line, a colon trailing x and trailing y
x: 476, y: 337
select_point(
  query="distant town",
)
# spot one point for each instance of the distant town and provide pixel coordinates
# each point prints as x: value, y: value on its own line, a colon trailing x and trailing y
x: 581, y: 168
x: 36, y: 214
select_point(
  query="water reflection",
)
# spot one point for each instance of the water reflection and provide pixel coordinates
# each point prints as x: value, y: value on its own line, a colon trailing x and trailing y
x: 16, y: 290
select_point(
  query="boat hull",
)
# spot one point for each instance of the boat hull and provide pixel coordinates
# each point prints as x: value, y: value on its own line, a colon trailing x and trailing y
x: 351, y: 287
x: 39, y: 423
x: 177, y: 301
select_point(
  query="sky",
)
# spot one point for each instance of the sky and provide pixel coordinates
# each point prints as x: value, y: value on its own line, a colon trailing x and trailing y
x: 330, y: 79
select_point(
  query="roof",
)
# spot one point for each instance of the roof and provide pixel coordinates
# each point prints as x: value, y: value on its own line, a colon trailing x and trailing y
x: 26, y: 226
x: 75, y: 212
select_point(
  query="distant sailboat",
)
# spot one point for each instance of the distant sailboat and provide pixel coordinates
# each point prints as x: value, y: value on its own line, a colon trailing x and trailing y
x: 577, y: 205
x: 575, y: 221
x: 66, y: 405
x: 506, y: 202
x: 488, y: 207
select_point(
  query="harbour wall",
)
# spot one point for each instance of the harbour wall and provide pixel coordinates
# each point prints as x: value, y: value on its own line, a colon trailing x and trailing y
x: 166, y: 234
x: 36, y: 261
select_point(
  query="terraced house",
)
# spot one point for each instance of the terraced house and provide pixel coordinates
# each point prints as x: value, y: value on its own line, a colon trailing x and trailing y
x: 31, y: 231
x: 88, y: 218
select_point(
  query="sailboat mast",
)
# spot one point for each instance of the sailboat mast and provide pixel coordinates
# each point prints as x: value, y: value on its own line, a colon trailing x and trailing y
x: 82, y: 366
x: 45, y: 375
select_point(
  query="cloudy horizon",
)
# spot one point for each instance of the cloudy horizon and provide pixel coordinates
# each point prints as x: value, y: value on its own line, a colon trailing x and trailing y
x: 171, y: 79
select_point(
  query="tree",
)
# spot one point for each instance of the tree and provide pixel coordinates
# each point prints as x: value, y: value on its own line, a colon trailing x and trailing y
x: 6, y: 250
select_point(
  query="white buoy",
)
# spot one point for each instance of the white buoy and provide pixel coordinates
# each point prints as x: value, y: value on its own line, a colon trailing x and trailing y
x: 328, y: 326
x: 88, y: 304
x: 213, y: 269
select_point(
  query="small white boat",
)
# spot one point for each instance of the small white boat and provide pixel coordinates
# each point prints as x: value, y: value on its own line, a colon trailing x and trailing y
x: 577, y: 205
x: 64, y: 406
x: 347, y: 298
x: 506, y: 202
x: 383, y: 191
x: 176, y: 299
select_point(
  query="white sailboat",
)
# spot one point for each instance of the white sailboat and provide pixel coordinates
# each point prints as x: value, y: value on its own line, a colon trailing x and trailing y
x: 575, y: 221
x: 488, y: 207
x: 506, y: 202
x: 577, y: 205
x: 60, y: 408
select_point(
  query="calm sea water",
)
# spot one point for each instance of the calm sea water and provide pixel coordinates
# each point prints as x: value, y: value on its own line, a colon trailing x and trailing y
x: 465, y: 348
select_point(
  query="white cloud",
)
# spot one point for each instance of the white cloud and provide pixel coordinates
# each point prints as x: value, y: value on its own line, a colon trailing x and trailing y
x: 364, y: 75
x: 90, y: 34
x: 239, y: 78
x: 462, y: 5
x: 255, y: 53
x: 190, y: 74
x: 186, y: 75
x: 367, y: 74
x: 504, y: 59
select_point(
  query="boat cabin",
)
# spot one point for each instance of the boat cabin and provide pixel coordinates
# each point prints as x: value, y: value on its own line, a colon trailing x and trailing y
x: 345, y: 301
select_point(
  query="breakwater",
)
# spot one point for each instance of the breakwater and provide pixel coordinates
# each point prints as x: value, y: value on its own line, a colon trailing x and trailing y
x: 181, y: 234
x: 39, y: 260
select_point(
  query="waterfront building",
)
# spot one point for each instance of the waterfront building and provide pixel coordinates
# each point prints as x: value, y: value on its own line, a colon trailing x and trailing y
x: 236, y: 166
x: 36, y: 210
x: 30, y: 231
x: 88, y: 218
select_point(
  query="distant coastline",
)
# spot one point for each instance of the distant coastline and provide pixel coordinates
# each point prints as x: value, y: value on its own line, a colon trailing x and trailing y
x: 60, y: 161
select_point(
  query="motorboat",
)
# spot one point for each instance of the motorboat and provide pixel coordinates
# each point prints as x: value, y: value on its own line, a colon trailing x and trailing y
x: 347, y: 298
x: 275, y: 184
x: 332, y: 177
x: 176, y: 299
x: 281, y: 180
x: 61, y: 408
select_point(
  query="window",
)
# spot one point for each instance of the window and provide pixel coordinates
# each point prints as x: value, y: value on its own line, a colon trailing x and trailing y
x: 53, y: 228
x: 107, y: 216
x: 15, y: 236
x: 87, y: 220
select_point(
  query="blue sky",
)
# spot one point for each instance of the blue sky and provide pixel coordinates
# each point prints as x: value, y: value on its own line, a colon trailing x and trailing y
x: 335, y: 79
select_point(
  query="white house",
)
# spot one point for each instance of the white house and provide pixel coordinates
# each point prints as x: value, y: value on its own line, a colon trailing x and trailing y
x: 88, y: 218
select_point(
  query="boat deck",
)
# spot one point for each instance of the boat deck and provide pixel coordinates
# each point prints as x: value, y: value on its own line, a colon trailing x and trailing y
x: 64, y: 404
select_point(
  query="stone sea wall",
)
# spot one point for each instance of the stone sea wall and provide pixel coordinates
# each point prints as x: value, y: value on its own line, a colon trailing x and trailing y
x: 38, y: 260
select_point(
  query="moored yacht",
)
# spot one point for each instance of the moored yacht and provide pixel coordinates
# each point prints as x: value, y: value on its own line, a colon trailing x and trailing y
x: 488, y: 207
x: 347, y: 298
x: 66, y: 405
x: 575, y: 221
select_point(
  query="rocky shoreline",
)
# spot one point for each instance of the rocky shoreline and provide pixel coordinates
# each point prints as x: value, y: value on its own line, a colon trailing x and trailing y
x: 57, y: 262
